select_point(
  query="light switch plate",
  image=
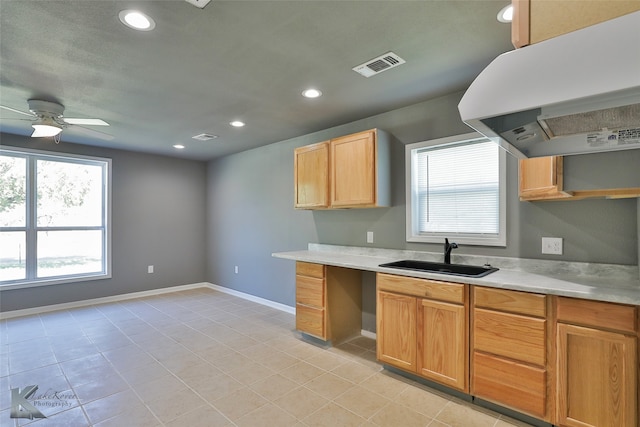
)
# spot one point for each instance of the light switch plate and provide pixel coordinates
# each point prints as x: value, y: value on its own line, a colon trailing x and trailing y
x: 552, y: 245
x: 369, y: 236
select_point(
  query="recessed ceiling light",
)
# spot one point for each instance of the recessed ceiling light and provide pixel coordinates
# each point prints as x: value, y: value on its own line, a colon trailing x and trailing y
x: 136, y: 20
x: 311, y: 93
x: 506, y: 14
x: 178, y: 146
x: 237, y: 124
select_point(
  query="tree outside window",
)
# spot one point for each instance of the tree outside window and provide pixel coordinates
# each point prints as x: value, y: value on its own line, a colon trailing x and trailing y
x: 53, y: 217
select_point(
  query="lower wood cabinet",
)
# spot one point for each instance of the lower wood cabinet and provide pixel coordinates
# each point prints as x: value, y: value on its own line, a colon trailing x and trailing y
x: 328, y: 301
x: 422, y: 328
x: 509, y: 350
x: 597, y: 364
x: 567, y: 361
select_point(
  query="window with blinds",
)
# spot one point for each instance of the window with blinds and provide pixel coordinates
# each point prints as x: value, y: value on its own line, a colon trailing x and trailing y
x: 456, y: 189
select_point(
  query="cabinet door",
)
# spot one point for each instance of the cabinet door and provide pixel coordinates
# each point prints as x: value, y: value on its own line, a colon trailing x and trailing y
x: 553, y: 18
x: 442, y: 343
x: 597, y: 378
x: 396, y: 330
x: 538, y: 20
x: 311, y: 176
x: 353, y: 170
x: 541, y: 179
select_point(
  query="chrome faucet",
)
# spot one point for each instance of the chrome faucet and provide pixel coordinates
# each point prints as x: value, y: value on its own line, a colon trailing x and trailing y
x: 448, y: 247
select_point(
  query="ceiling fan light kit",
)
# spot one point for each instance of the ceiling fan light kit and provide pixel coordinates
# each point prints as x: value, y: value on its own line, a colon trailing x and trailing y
x: 45, y: 127
x: 45, y: 108
x: 48, y: 120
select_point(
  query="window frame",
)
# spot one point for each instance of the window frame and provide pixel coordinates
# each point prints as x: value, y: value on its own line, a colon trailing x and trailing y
x: 31, y: 227
x: 412, y: 215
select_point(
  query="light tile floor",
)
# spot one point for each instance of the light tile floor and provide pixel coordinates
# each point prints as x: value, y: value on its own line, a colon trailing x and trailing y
x: 205, y: 358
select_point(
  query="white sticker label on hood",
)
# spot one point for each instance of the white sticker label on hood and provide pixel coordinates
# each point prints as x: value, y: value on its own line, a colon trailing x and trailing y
x: 614, y: 138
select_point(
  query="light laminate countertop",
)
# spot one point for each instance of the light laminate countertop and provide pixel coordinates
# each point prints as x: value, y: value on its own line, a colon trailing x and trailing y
x: 600, y: 282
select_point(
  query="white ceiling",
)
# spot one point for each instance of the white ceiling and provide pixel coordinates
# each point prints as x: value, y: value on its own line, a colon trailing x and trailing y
x: 199, y: 69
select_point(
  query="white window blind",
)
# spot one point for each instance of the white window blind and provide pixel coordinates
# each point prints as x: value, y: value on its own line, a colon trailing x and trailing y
x: 455, y: 192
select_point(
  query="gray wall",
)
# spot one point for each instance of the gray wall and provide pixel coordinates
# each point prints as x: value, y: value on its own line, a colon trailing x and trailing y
x: 251, y: 215
x: 158, y: 218
x: 195, y: 222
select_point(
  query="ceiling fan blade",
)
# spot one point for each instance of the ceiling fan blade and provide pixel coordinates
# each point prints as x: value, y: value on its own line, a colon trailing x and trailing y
x: 17, y: 111
x: 22, y: 120
x: 92, y: 132
x: 85, y: 122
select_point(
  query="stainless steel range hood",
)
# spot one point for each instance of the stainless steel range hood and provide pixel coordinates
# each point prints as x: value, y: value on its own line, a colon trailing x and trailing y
x: 576, y: 93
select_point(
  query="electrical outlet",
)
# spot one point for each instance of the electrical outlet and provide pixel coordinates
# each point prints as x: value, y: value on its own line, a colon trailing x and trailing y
x: 369, y: 236
x: 552, y: 245
x: 236, y: 269
x: 150, y: 269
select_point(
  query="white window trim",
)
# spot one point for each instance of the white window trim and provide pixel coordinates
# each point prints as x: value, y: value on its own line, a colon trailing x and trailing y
x: 412, y: 234
x: 107, y: 274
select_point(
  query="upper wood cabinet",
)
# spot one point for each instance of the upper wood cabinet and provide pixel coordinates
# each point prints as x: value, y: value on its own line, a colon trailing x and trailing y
x: 541, y: 179
x: 311, y: 184
x: 538, y: 20
x: 352, y: 171
x: 358, y: 170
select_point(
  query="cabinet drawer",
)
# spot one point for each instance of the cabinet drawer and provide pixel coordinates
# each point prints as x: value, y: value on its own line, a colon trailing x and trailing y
x: 597, y: 314
x: 309, y: 269
x: 509, y: 383
x: 433, y: 289
x: 310, y: 321
x: 510, y: 301
x: 310, y: 291
x: 510, y: 335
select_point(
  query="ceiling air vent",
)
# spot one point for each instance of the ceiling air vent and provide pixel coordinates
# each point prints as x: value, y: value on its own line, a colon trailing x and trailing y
x: 377, y: 65
x: 199, y: 3
x: 204, y: 137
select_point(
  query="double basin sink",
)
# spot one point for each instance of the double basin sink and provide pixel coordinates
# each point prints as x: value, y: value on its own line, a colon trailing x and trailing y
x: 442, y: 268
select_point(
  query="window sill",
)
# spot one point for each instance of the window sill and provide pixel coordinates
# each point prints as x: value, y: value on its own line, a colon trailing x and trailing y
x: 471, y: 241
x: 8, y: 286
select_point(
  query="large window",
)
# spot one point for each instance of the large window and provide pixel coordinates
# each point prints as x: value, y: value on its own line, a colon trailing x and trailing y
x: 54, y: 218
x: 456, y: 188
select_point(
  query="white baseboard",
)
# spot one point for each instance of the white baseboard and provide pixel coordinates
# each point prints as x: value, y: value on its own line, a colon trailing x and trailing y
x: 103, y: 300
x: 368, y: 334
x: 143, y: 294
x: 268, y: 303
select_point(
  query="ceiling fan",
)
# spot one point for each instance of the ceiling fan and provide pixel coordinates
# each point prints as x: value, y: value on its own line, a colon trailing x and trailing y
x: 48, y: 120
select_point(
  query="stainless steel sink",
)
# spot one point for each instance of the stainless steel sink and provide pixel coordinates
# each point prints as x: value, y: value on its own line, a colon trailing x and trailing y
x: 442, y: 268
